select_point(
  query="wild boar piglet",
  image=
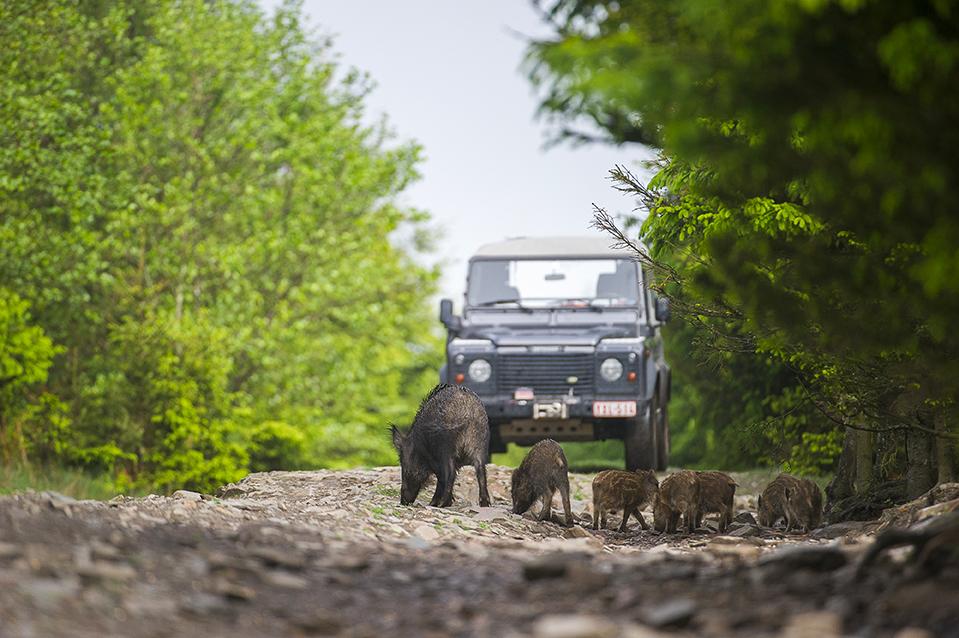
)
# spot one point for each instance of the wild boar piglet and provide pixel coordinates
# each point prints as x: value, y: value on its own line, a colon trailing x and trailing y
x: 622, y: 490
x: 542, y: 473
x: 804, y: 506
x: 678, y: 496
x: 716, y: 493
x: 773, y: 501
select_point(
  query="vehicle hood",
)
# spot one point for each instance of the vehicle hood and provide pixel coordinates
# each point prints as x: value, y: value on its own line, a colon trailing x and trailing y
x: 547, y: 329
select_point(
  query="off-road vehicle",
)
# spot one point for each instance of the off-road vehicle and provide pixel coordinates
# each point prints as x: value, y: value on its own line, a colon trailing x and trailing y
x: 560, y: 338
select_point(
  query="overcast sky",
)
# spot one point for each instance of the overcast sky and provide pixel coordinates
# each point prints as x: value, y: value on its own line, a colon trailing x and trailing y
x: 448, y: 75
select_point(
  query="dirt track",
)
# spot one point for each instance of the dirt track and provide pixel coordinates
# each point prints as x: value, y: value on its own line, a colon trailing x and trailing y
x: 333, y: 553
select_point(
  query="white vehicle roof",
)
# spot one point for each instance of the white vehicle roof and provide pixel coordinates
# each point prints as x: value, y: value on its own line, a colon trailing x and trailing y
x: 559, y: 246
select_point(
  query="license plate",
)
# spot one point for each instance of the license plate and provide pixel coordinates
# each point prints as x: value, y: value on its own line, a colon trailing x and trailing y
x: 614, y: 409
x: 523, y: 394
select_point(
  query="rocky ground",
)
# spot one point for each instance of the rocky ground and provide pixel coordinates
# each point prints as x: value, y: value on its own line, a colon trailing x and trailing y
x: 333, y: 553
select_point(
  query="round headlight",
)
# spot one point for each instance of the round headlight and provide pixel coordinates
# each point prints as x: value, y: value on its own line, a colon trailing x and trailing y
x: 611, y: 369
x: 480, y: 370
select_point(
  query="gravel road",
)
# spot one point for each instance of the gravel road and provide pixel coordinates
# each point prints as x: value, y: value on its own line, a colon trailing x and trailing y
x: 333, y: 553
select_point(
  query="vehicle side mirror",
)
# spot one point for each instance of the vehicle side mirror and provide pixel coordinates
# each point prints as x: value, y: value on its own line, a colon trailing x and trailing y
x: 447, y: 318
x: 662, y: 309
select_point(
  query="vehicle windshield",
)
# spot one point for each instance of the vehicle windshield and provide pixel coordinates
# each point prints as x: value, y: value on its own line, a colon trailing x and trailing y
x: 540, y: 283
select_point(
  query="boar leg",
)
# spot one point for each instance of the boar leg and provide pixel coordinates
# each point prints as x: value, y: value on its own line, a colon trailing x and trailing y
x: 547, y: 506
x: 597, y: 511
x: 689, y: 517
x: 626, y: 513
x: 437, y: 499
x: 480, y: 468
x: 443, y: 497
x: 642, y: 521
x: 724, y: 519
x: 567, y: 510
x: 450, y: 481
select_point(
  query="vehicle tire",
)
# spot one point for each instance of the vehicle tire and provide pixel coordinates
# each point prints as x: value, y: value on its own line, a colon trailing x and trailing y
x: 639, y: 442
x: 496, y: 444
x: 662, y: 440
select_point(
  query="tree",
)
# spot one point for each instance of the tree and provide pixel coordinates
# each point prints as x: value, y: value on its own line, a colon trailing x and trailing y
x: 193, y: 204
x: 803, y: 208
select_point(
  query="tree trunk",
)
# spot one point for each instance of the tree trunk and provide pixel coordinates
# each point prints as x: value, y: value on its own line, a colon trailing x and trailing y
x: 919, y: 457
x: 945, y: 450
x: 842, y: 483
x: 865, y: 454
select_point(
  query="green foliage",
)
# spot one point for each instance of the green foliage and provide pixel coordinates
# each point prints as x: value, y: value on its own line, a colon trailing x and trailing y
x: 198, y: 216
x: 30, y: 420
x: 802, y: 216
x: 277, y: 446
x: 26, y: 353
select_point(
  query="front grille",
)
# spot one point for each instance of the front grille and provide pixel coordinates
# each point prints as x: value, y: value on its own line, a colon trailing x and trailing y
x: 546, y: 374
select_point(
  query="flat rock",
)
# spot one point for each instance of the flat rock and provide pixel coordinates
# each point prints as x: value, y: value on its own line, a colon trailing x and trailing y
x: 732, y: 539
x: 673, y: 613
x: 279, y: 578
x: 9, y: 550
x: 742, y: 550
x: 47, y: 593
x: 490, y: 513
x: 745, y: 530
x: 815, y: 557
x: 813, y: 624
x: 576, y: 532
x: 107, y: 571
x: 745, y: 518
x: 187, y: 495
x: 845, y: 528
x: 574, y: 626
x: 545, y: 568
x: 426, y: 532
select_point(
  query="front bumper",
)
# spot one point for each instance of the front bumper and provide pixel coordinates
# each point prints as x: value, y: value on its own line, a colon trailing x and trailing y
x: 504, y: 408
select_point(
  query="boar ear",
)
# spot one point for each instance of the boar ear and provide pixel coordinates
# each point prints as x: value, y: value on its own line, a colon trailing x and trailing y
x: 398, y: 437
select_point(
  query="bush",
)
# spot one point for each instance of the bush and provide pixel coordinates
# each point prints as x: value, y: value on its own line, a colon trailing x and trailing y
x: 275, y: 445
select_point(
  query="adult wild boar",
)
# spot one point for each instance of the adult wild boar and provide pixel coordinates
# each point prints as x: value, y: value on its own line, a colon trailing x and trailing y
x: 716, y: 493
x: 622, y: 490
x: 450, y: 430
x: 542, y: 473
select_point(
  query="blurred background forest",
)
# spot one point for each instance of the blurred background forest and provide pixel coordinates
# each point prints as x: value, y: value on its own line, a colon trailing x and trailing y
x: 197, y: 273
x: 200, y: 271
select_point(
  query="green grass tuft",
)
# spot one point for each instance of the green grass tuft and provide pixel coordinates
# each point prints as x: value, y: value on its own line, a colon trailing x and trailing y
x: 18, y: 477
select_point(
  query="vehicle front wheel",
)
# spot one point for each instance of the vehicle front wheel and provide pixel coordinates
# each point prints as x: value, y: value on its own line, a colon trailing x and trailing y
x: 660, y: 428
x: 639, y: 442
x: 662, y: 441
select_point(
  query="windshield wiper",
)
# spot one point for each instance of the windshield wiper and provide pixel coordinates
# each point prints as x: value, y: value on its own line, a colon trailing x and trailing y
x: 513, y: 301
